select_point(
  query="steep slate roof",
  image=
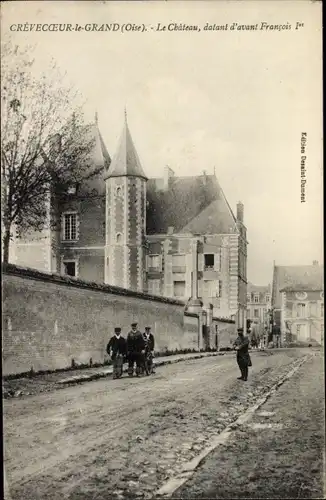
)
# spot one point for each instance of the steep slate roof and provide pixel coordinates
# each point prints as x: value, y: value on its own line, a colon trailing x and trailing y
x: 251, y: 288
x: 190, y: 205
x: 100, y: 155
x: 126, y: 161
x: 301, y: 277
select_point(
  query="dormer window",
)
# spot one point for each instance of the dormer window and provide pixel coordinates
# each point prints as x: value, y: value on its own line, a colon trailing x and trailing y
x: 209, y: 261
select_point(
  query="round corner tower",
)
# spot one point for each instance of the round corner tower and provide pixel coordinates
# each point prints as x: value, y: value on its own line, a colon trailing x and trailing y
x: 125, y: 217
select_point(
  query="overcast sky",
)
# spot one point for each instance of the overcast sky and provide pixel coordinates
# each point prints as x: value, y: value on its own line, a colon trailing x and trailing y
x: 234, y: 100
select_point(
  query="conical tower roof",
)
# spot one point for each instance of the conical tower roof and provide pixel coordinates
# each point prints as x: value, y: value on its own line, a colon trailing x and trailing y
x: 100, y: 155
x: 126, y: 161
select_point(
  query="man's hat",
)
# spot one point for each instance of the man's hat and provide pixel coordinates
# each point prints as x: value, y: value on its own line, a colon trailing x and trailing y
x: 134, y: 324
x: 117, y: 330
x: 147, y: 328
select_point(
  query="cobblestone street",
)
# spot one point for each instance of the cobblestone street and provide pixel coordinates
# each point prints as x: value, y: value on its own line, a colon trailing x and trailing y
x: 123, y: 439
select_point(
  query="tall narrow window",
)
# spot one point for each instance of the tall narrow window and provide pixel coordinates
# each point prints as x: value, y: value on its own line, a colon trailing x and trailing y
x: 301, y: 310
x: 119, y: 238
x: 209, y: 261
x: 179, y: 263
x: 154, y: 262
x: 70, y: 227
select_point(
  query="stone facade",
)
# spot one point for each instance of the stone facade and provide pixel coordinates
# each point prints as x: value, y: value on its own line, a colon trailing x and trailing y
x: 259, y: 304
x: 302, y: 315
x: 171, y: 237
x: 298, y: 302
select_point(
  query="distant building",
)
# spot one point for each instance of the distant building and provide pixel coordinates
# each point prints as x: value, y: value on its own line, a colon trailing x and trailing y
x: 298, y: 302
x: 259, y: 300
x: 170, y: 236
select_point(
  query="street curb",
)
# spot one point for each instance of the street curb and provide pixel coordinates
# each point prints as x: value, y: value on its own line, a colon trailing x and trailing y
x: 108, y: 371
x: 172, y: 484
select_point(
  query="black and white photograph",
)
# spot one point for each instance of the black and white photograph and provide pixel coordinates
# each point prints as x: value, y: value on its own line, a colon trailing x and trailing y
x: 162, y: 250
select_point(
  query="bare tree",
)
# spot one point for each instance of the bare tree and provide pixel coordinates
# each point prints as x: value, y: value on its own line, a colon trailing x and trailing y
x: 45, y: 143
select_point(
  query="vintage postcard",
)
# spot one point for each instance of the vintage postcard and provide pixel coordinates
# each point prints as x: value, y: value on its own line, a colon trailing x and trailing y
x: 162, y: 249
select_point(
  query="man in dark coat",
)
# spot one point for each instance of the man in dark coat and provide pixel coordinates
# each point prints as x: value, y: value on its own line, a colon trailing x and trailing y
x: 117, y: 349
x: 149, y: 348
x: 241, y: 345
x: 276, y: 335
x: 135, y: 350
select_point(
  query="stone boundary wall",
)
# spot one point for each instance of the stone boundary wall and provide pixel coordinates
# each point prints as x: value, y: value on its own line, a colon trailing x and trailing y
x: 49, y: 320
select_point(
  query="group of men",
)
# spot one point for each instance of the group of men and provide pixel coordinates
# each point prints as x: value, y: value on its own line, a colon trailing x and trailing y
x: 261, y: 340
x: 137, y: 349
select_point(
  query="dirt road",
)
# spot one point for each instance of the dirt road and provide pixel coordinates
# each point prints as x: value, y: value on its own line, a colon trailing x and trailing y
x: 278, y: 453
x: 121, y: 439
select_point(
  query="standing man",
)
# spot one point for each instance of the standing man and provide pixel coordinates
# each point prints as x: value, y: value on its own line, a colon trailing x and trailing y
x: 149, y: 349
x: 276, y: 335
x: 241, y: 345
x: 135, y: 350
x: 117, y: 349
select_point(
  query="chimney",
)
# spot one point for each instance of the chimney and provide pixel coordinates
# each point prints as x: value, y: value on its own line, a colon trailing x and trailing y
x: 168, y: 173
x: 204, y: 177
x: 315, y: 263
x: 240, y: 209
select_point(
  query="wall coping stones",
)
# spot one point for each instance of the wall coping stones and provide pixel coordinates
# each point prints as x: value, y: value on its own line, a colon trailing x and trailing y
x: 224, y: 320
x: 34, y: 274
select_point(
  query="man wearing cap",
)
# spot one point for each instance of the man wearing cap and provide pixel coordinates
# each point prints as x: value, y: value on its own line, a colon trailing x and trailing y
x: 149, y: 348
x: 117, y: 349
x: 241, y: 345
x: 135, y: 350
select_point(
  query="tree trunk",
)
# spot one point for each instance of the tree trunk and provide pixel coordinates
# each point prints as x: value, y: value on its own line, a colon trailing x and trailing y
x: 5, y: 245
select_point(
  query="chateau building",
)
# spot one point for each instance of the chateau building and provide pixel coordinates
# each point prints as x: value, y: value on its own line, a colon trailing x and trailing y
x: 171, y: 236
x: 298, y: 302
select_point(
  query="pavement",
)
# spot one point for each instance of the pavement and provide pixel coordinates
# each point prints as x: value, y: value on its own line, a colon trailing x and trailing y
x: 27, y: 386
x: 126, y: 439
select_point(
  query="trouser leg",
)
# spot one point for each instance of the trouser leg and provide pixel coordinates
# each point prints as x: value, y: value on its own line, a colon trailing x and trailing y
x: 140, y: 361
x: 130, y: 365
x: 245, y: 373
x: 119, y: 367
x: 115, y: 368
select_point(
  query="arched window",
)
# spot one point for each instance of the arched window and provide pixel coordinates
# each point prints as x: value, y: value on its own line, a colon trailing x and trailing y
x: 119, y: 237
x: 119, y: 191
